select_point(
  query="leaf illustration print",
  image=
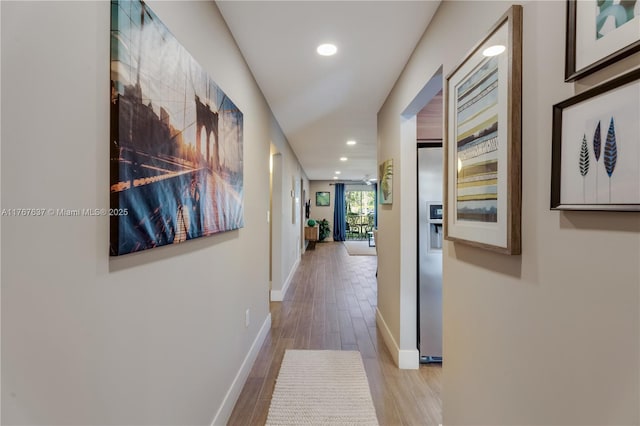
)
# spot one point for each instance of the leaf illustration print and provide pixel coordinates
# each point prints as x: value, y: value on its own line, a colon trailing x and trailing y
x: 583, y: 165
x: 597, y: 139
x: 610, y: 153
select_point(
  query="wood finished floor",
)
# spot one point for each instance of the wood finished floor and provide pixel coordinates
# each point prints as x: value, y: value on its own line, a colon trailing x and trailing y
x: 331, y: 304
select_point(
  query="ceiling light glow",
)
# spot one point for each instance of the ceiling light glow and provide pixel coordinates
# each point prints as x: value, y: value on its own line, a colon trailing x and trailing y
x: 338, y: 172
x: 343, y: 158
x: 494, y: 50
x: 351, y: 142
x: 335, y: 177
x: 327, y: 49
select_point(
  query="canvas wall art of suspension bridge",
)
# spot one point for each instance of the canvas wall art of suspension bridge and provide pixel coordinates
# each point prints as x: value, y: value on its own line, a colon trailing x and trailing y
x: 176, y: 146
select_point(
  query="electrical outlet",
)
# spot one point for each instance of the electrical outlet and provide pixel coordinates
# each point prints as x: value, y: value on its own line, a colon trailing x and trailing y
x: 247, y: 318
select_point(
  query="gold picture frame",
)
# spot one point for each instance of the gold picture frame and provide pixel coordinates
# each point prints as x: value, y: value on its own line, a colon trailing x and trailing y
x: 483, y: 116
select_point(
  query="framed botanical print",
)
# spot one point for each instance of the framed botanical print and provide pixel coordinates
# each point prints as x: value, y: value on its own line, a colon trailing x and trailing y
x: 599, y: 33
x: 596, y: 148
x: 385, y: 173
x: 483, y: 141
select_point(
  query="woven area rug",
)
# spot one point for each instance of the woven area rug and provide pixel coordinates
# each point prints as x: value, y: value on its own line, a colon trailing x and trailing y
x: 359, y: 248
x: 322, y: 388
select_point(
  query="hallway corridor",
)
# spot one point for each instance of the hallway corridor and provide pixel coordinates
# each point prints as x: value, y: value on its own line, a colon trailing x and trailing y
x: 331, y: 304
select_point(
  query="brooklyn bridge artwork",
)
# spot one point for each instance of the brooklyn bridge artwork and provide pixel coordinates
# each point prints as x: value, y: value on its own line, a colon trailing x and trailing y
x: 176, y: 151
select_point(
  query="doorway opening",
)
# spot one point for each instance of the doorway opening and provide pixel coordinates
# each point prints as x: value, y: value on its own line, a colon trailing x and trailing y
x: 275, y: 216
x: 430, y: 175
x: 423, y: 133
x: 360, y: 212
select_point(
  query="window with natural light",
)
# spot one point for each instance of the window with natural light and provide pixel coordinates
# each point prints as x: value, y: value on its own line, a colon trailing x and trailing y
x: 360, y: 213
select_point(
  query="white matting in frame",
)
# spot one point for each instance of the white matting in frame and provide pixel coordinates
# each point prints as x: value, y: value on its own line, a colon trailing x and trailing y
x: 600, y: 34
x: 596, y: 148
x: 483, y: 108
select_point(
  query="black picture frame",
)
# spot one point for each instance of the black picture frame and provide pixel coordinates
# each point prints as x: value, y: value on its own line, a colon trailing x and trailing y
x: 585, y: 156
x: 572, y: 73
x: 323, y: 198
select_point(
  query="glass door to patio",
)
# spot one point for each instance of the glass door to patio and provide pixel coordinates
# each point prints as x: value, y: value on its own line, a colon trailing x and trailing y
x: 360, y: 205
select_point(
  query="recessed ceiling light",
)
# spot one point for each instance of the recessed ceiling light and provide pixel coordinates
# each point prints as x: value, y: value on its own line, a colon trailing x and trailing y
x: 494, y: 50
x: 343, y: 158
x: 351, y: 142
x: 327, y: 49
x: 338, y: 172
x: 335, y: 177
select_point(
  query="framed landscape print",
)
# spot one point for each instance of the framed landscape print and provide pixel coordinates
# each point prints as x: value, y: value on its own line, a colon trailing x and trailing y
x: 596, y: 148
x: 599, y: 33
x: 176, y: 150
x: 483, y: 141
x: 323, y: 199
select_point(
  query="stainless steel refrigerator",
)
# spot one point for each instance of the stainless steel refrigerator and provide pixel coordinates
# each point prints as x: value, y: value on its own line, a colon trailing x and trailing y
x: 430, y: 252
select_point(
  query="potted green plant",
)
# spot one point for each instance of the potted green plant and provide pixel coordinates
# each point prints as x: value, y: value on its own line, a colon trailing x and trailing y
x: 324, y: 229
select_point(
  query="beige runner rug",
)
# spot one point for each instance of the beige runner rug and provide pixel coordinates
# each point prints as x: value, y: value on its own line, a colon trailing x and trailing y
x: 321, y: 388
x: 359, y: 248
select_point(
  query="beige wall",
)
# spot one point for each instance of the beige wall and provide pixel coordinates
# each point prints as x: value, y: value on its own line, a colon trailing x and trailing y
x: 322, y: 212
x: 549, y: 337
x: 151, y: 338
x: 288, y: 249
x: 326, y: 212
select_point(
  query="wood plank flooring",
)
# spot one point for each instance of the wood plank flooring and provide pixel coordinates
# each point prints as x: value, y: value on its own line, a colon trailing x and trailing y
x: 331, y: 304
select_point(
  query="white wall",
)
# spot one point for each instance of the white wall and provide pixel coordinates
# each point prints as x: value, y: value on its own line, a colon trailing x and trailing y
x: 151, y: 338
x: 549, y: 337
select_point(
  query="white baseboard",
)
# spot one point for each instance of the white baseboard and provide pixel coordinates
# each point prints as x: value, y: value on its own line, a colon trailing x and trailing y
x: 405, y: 359
x: 230, y: 399
x: 278, y: 295
x: 409, y: 359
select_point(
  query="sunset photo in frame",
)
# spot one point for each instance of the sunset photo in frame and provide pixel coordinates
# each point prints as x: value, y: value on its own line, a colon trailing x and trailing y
x: 595, y: 163
x: 483, y: 141
x: 599, y: 33
x: 176, y: 143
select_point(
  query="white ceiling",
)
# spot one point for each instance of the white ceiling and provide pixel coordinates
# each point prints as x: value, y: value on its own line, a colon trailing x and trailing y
x: 321, y: 102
